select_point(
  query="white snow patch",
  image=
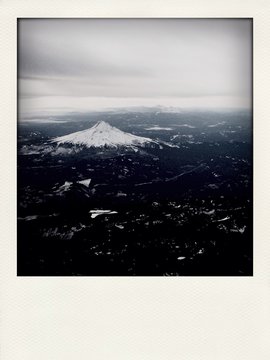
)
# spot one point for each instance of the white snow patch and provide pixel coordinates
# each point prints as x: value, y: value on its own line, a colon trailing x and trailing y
x: 186, y: 125
x: 158, y: 128
x: 215, y: 125
x: 66, y: 186
x: 224, y: 219
x: 211, y: 212
x: 240, y: 230
x: 120, y: 193
x: 30, y: 217
x: 95, y: 213
x: 85, y: 182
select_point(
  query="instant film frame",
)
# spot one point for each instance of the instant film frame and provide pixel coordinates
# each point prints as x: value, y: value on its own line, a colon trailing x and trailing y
x: 136, y: 318
x: 198, y: 215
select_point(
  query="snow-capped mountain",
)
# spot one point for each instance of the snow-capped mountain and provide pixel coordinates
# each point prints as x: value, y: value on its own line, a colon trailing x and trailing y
x: 103, y: 134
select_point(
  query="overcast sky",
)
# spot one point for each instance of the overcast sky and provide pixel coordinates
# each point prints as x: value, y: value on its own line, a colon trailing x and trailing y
x: 92, y: 64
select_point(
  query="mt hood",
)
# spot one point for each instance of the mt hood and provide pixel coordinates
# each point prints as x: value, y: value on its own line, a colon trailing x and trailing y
x: 103, y: 134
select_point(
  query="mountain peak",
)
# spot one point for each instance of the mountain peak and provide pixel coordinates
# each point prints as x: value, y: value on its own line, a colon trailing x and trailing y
x: 102, y: 126
x: 102, y: 134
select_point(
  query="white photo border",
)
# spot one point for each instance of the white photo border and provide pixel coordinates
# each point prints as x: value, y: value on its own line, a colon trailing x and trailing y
x: 135, y: 318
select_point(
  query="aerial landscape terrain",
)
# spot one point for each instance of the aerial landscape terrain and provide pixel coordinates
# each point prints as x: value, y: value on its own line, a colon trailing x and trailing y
x: 144, y: 191
x: 135, y: 147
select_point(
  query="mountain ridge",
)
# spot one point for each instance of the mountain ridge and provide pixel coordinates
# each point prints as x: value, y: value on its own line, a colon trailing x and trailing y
x: 102, y: 134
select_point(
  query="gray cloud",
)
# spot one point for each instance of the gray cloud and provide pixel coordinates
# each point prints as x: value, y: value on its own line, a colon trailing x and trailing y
x: 160, y: 59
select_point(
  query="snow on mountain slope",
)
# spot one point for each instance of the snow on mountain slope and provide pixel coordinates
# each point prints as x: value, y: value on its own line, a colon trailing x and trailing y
x: 102, y: 134
x: 85, y: 182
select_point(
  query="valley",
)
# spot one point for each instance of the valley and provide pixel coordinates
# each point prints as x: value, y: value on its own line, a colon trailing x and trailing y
x: 176, y: 204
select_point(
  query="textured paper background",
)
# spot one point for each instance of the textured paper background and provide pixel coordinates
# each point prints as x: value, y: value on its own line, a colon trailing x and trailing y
x: 135, y: 318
